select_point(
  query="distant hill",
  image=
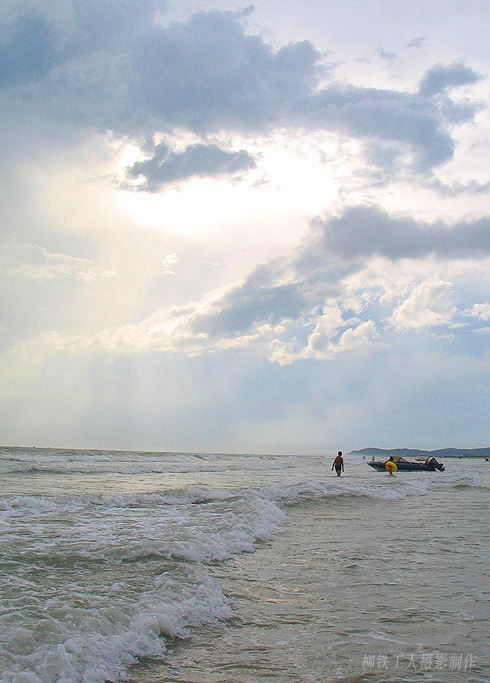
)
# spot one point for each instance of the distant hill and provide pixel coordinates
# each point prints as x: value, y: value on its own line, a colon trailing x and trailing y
x: 414, y: 452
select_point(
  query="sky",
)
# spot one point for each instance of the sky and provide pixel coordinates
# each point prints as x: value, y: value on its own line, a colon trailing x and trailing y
x: 244, y: 228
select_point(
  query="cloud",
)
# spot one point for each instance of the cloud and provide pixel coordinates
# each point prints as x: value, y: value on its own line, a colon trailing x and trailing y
x: 29, y: 49
x: 356, y: 275
x: 326, y: 342
x: 457, y: 188
x: 265, y: 300
x: 226, y: 79
x: 33, y: 44
x: 208, y: 74
x: 357, y: 338
x: 111, y: 24
x: 196, y: 161
x: 387, y: 56
x: 326, y: 328
x: 441, y: 78
x: 290, y: 310
x: 431, y: 304
x: 116, y: 69
x: 481, y: 311
x: 362, y: 232
x: 168, y: 262
x: 37, y: 263
x: 417, y: 42
x: 388, y: 115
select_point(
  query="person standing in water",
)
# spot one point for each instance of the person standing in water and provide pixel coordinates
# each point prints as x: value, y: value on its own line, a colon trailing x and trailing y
x: 338, y: 463
x: 390, y: 465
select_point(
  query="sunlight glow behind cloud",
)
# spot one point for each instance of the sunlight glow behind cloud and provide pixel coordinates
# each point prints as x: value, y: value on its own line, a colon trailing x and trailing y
x: 291, y: 198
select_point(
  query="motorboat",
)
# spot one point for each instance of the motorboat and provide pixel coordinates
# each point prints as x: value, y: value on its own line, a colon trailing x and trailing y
x: 402, y: 465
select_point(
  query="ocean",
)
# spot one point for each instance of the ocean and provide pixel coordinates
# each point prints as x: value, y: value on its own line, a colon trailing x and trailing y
x: 159, y: 567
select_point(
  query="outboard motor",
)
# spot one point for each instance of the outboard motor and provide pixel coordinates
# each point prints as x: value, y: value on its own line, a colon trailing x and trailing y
x: 433, y: 465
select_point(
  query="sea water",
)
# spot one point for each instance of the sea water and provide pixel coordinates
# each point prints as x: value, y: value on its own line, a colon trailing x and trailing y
x: 156, y: 567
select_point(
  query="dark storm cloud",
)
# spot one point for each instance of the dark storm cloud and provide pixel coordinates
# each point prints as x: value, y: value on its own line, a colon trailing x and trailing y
x: 113, y: 68
x: 195, y: 161
x: 362, y: 232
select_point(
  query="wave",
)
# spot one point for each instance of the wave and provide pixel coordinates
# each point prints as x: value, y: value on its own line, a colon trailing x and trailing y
x: 96, y: 555
x: 197, y: 526
x: 38, y: 505
x: 104, y: 648
x: 193, y: 524
x: 135, y: 464
x: 143, y: 559
x: 315, y: 490
x: 376, y: 486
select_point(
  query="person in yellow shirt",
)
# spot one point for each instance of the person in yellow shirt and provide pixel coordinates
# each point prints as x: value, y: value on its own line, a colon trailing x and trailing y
x: 390, y: 466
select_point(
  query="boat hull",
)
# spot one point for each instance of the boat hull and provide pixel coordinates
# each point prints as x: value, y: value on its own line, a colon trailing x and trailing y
x: 408, y: 466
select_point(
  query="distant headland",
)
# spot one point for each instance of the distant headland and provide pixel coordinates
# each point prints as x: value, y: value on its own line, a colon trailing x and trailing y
x: 414, y: 452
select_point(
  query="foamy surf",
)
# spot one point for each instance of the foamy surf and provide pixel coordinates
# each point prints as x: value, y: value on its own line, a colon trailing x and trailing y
x: 107, y: 560
x: 89, y: 570
x: 76, y: 646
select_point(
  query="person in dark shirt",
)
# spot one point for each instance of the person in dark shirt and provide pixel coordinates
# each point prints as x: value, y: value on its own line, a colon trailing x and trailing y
x: 338, y: 463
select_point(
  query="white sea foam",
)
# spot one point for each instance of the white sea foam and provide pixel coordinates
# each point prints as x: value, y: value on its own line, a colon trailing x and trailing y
x: 126, y: 528
x: 104, y: 648
x: 84, y: 559
x: 96, y: 577
x: 315, y: 489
